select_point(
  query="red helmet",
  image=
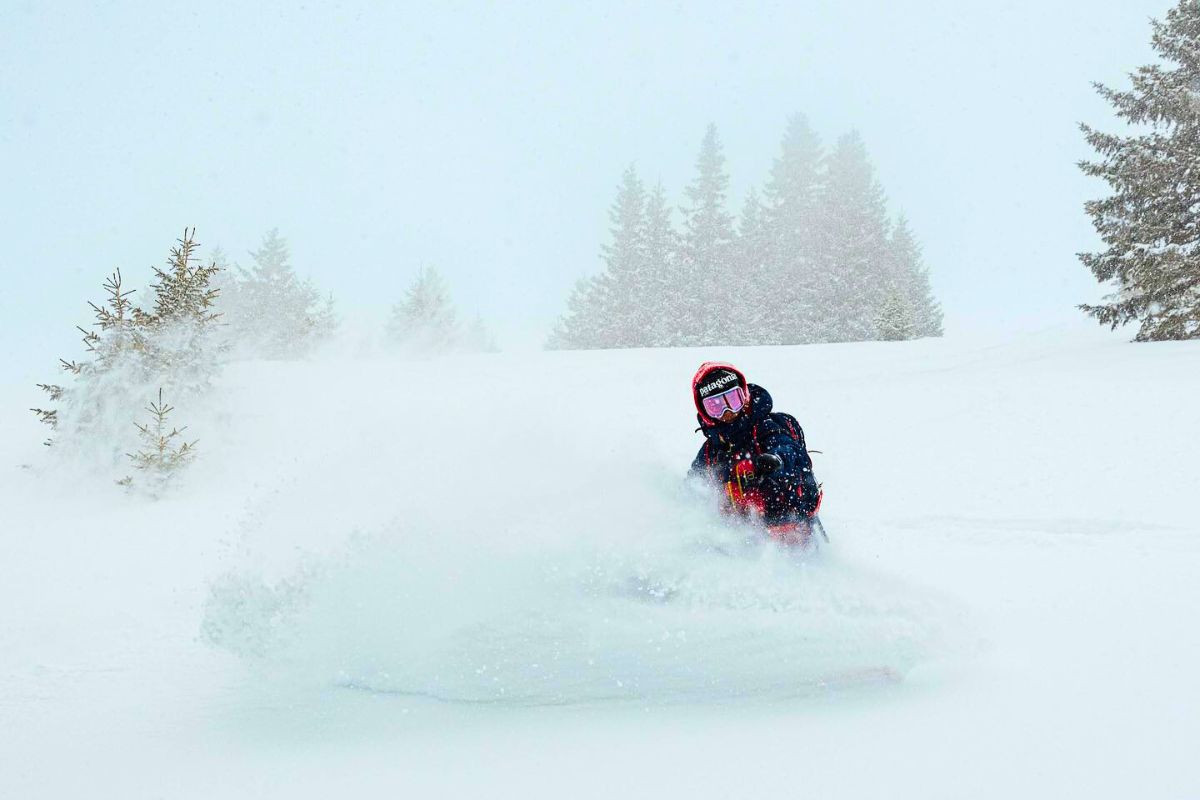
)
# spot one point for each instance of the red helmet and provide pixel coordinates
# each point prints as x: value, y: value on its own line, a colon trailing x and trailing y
x: 716, y: 379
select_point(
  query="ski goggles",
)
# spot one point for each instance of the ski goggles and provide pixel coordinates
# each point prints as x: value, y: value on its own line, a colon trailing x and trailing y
x: 734, y: 400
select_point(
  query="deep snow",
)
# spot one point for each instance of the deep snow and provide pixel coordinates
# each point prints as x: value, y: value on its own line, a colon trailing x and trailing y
x: 362, y: 589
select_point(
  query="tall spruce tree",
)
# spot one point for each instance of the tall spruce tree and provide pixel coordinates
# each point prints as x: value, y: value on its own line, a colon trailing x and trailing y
x: 793, y: 223
x: 1150, y: 225
x: 621, y: 311
x: 623, y: 305
x: 660, y: 247
x: 711, y: 291
x: 754, y: 322
x: 599, y: 312
x: 579, y: 327
x: 911, y: 283
x: 853, y: 256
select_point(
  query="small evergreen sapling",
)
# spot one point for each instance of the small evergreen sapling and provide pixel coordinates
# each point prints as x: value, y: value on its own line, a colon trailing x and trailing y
x: 895, y: 320
x: 425, y: 320
x: 163, y: 451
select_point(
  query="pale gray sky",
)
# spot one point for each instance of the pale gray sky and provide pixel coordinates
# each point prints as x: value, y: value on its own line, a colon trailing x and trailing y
x: 488, y: 139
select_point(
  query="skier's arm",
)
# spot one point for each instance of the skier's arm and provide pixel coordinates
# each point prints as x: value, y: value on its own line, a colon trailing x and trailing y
x: 793, y: 486
x: 791, y: 452
x: 700, y: 466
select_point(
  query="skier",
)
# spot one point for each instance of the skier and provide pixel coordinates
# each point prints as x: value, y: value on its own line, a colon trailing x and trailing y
x: 757, y: 455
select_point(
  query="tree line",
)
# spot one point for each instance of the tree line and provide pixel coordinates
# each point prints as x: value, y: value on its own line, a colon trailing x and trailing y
x: 813, y: 257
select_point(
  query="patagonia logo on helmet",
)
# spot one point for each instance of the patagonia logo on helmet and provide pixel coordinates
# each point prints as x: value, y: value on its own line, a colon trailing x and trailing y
x: 718, y: 381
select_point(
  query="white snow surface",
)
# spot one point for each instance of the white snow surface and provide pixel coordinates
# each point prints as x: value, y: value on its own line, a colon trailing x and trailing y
x: 485, y: 577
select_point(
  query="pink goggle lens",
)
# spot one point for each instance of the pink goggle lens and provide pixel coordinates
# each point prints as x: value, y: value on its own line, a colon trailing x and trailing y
x: 736, y: 398
x: 733, y: 400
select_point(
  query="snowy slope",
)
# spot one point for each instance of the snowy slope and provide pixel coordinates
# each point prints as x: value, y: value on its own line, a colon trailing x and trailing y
x: 362, y: 589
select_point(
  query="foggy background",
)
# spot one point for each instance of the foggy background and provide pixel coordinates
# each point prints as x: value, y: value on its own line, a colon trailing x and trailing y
x: 488, y: 141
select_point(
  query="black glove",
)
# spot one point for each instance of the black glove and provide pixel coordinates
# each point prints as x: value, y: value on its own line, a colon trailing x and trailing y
x: 766, y: 464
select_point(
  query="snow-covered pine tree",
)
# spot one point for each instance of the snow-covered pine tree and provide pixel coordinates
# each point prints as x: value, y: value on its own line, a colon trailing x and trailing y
x: 183, y: 292
x: 660, y: 246
x: 117, y: 344
x: 710, y: 292
x: 1150, y: 225
x: 425, y: 320
x: 793, y: 223
x: 895, y: 320
x: 131, y: 349
x: 181, y: 344
x: 616, y: 308
x: 578, y: 328
x: 164, y: 450
x: 853, y: 257
x: 912, y: 282
x: 621, y: 312
x: 323, y: 320
x: 115, y: 333
x: 750, y: 263
x: 269, y: 311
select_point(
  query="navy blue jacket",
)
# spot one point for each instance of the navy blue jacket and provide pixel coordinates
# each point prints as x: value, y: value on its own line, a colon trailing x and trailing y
x: 790, y: 491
